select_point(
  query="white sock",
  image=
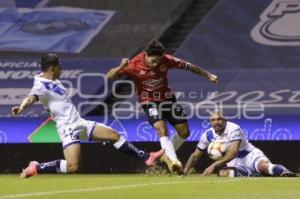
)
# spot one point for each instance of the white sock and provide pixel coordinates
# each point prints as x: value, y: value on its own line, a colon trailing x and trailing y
x: 270, y: 169
x: 231, y: 173
x: 169, y: 148
x: 177, y: 141
x: 119, y: 143
x: 63, y: 166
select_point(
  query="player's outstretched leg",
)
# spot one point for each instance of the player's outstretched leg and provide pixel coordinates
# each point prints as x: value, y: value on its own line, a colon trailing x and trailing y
x: 34, y: 167
x: 280, y: 170
x: 170, y: 157
x: 102, y: 132
x: 70, y: 164
x: 149, y: 158
x: 266, y: 167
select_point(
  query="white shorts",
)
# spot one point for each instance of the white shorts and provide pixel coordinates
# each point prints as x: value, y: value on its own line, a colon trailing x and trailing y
x: 73, y: 133
x: 250, y: 161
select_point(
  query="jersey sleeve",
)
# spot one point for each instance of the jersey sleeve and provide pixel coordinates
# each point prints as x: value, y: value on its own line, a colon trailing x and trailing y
x: 236, y: 134
x: 128, y: 70
x: 203, y: 142
x: 176, y: 62
x: 38, y: 90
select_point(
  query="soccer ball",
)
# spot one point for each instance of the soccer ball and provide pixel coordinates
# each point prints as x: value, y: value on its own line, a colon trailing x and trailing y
x: 217, y: 149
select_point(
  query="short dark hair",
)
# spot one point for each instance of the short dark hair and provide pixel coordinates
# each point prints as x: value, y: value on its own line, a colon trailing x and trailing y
x: 155, y: 48
x: 48, y: 60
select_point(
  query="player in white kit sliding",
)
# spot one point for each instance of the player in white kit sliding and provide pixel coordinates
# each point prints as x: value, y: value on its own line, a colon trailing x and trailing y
x: 241, y: 157
x: 50, y: 92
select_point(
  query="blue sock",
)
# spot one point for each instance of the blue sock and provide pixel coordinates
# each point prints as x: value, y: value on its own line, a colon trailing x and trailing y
x: 129, y: 148
x: 49, y: 167
x: 278, y: 170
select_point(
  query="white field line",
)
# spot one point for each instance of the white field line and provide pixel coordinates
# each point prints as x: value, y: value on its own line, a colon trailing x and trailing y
x: 118, y: 187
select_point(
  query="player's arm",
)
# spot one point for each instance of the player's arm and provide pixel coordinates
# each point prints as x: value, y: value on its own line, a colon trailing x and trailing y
x: 27, y: 102
x: 193, y: 159
x: 113, y: 73
x: 200, y: 71
x: 230, y: 154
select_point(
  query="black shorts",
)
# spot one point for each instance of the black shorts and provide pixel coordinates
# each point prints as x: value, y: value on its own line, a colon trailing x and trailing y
x: 168, y: 110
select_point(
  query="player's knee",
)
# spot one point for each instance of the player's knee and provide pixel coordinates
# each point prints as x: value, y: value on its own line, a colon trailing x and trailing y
x: 115, y: 135
x: 263, y: 166
x: 160, y: 126
x: 72, y: 167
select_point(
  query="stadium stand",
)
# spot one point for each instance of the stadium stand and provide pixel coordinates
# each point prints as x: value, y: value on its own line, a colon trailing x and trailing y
x: 132, y: 26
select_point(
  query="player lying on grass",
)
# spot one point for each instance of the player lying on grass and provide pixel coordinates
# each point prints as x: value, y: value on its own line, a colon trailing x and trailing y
x: 149, y: 71
x: 48, y: 90
x: 241, y: 157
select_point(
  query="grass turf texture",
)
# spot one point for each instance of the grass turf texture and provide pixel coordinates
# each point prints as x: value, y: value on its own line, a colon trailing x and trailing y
x: 138, y: 186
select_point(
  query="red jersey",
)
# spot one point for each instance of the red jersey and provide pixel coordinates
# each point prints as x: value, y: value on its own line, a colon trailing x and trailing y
x: 152, y: 84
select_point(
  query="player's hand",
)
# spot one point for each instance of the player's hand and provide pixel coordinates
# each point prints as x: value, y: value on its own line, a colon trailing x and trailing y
x: 209, y: 170
x: 16, y: 110
x: 124, y: 62
x: 213, y: 78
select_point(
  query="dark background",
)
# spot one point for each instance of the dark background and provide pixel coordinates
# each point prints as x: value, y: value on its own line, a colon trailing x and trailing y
x: 104, y: 158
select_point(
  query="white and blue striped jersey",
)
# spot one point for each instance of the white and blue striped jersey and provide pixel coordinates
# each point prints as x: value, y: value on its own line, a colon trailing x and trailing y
x: 231, y: 133
x: 54, y: 97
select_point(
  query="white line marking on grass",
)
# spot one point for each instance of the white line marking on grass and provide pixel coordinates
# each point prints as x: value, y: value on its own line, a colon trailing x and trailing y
x: 117, y: 187
x: 24, y: 195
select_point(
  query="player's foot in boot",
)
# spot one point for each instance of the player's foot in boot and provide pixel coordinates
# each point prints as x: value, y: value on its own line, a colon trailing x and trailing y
x: 177, y: 167
x: 30, y: 170
x: 165, y: 159
x: 153, y: 156
x: 174, y: 166
x: 288, y: 174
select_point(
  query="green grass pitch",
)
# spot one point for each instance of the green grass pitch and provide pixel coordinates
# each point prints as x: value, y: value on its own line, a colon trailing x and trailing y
x: 139, y: 186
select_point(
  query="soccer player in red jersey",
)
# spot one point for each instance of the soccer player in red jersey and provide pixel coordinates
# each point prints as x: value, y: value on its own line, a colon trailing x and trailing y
x: 149, y: 72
